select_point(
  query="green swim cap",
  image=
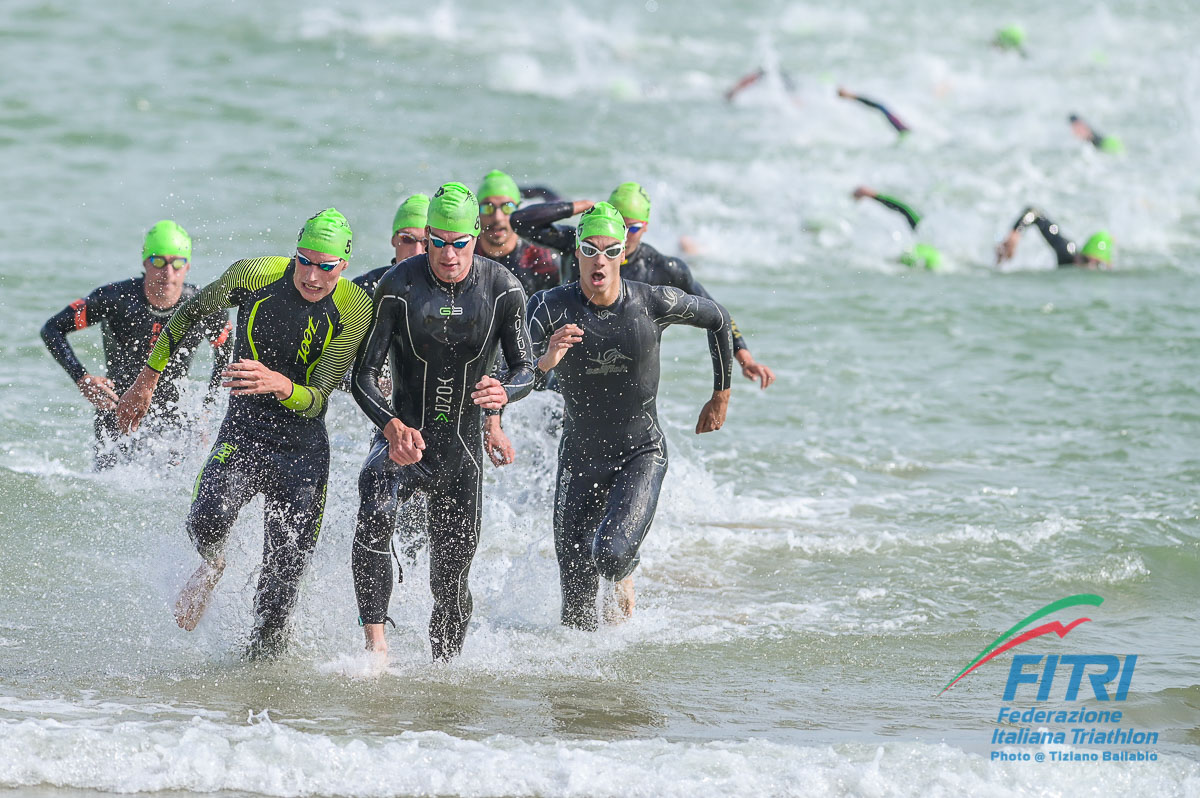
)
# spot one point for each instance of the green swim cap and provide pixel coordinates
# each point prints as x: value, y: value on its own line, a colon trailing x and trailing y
x: 602, y: 220
x: 1099, y: 246
x: 167, y: 238
x: 1011, y: 37
x: 922, y: 255
x: 327, y: 232
x: 454, y: 209
x: 1111, y: 144
x: 632, y: 201
x: 411, y: 213
x: 498, y: 184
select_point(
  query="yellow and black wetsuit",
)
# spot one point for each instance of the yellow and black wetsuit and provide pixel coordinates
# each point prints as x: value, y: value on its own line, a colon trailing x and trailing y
x: 277, y: 448
x: 130, y: 328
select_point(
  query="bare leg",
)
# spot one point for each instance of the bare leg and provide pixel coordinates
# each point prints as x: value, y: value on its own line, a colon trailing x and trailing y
x: 193, y: 599
x: 618, y: 603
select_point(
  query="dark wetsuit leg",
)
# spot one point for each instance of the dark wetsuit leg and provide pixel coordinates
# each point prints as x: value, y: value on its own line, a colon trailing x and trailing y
x: 295, y: 506
x: 603, y: 510
x: 293, y: 483
x: 382, y: 487
x: 454, y: 515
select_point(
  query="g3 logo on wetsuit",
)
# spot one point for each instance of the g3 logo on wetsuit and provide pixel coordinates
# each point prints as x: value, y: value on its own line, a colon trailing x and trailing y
x: 450, y: 311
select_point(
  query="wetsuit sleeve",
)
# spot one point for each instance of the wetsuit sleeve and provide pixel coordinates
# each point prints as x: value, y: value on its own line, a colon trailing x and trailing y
x: 542, y: 193
x: 373, y: 352
x: 902, y: 208
x: 354, y: 313
x: 541, y: 327
x: 536, y: 223
x: 215, y: 297
x: 673, y: 306
x: 681, y: 277
x: 515, y: 343
x: 892, y: 119
x: 75, y: 316
x: 1064, y: 250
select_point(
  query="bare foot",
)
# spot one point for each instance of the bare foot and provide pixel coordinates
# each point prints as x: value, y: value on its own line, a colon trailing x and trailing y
x: 618, y: 605
x: 376, y: 642
x: 193, y: 599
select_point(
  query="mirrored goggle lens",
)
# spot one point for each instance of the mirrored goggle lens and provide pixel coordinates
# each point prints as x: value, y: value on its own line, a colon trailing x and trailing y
x: 488, y: 208
x: 327, y: 266
x: 161, y: 261
x: 438, y: 243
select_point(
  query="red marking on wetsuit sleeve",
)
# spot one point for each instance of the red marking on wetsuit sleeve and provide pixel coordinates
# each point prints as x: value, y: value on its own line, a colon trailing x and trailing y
x: 224, y: 336
x: 80, y: 307
x: 539, y: 260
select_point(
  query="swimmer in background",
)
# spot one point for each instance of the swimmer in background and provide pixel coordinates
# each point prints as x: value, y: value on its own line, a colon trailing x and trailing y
x: 754, y: 77
x: 1095, y: 254
x: 921, y: 255
x: 893, y: 120
x: 1086, y: 132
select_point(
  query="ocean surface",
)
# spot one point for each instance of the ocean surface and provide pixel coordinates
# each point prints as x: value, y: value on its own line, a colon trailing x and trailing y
x: 943, y: 454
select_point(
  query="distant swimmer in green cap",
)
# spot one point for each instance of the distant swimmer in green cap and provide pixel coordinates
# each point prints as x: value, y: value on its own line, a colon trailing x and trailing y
x: 408, y: 239
x: 921, y: 256
x: 439, y: 320
x: 892, y: 119
x: 642, y: 263
x: 132, y: 314
x: 1011, y: 37
x: 1096, y: 253
x: 299, y: 325
x: 1086, y: 132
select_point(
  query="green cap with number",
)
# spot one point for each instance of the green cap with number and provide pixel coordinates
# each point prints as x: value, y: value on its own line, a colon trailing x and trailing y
x: 328, y: 232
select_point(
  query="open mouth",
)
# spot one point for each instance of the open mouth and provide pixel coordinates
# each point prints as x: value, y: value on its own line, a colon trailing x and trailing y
x: 312, y: 288
x: 599, y: 278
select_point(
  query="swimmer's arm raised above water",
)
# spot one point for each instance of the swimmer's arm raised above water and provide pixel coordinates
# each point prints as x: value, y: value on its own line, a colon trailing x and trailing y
x: 536, y: 223
x: 1064, y: 249
x: 892, y: 119
x: 886, y: 201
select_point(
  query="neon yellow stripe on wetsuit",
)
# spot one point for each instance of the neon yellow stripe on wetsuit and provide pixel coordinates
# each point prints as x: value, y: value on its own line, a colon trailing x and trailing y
x: 306, y: 400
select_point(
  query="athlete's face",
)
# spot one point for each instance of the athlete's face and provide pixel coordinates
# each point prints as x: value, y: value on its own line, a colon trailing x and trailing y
x: 634, y: 230
x: 497, y: 229
x: 450, y: 264
x: 312, y: 281
x: 408, y: 241
x: 164, y: 282
x: 600, y: 266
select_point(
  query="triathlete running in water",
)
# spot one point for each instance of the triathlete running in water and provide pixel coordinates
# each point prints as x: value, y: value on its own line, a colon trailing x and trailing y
x: 132, y: 314
x: 921, y: 255
x: 440, y: 317
x: 892, y: 119
x: 601, y: 336
x: 299, y: 325
x: 1096, y: 253
x: 642, y: 263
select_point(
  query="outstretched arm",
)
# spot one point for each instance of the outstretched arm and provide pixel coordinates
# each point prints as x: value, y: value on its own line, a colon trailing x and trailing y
x: 1064, y: 250
x: 892, y: 119
x: 911, y: 216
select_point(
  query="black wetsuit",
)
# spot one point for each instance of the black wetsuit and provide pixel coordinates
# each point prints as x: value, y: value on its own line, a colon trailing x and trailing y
x: 368, y: 281
x: 279, y: 448
x: 613, y: 456
x: 646, y: 265
x: 442, y: 339
x: 130, y: 327
x: 1064, y: 249
x: 892, y: 119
